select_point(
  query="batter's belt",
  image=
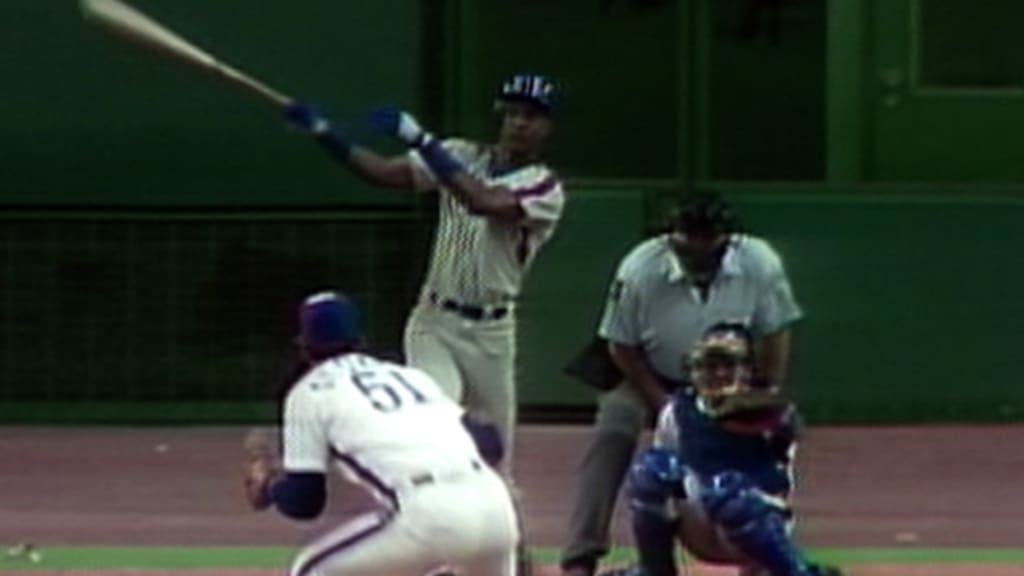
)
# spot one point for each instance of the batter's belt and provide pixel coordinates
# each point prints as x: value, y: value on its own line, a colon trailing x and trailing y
x: 469, y: 311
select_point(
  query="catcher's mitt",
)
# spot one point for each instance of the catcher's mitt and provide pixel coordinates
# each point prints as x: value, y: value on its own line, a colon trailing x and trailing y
x: 261, y: 468
x: 763, y: 408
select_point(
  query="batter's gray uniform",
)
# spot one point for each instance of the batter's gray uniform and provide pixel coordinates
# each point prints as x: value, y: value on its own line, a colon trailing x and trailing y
x: 463, y: 329
x: 653, y: 305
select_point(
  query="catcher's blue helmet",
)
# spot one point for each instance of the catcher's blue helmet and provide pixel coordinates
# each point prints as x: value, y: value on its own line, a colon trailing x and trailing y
x: 328, y: 320
x: 530, y: 88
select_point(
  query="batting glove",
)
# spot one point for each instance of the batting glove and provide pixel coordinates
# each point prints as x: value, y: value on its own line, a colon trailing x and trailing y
x: 307, y: 118
x: 400, y: 124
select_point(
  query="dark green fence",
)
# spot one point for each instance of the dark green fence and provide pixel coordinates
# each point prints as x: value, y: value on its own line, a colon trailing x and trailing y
x: 162, y: 309
x: 912, y: 299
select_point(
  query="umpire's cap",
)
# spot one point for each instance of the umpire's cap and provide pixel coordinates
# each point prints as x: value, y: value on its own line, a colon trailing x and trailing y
x: 705, y: 212
x: 530, y: 88
x: 328, y: 321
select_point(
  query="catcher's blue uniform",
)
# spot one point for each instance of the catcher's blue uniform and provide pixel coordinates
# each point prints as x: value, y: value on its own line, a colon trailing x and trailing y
x: 708, y: 446
x: 738, y: 473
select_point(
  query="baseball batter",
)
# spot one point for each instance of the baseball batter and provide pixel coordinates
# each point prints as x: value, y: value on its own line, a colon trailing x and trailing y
x: 499, y: 204
x: 390, y: 429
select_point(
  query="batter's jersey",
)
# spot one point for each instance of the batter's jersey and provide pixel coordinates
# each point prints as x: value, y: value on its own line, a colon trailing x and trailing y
x: 653, y: 305
x: 479, y: 260
x: 382, y: 423
x: 706, y: 447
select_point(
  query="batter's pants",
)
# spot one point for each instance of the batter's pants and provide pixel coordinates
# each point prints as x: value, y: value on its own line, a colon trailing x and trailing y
x: 473, y: 361
x: 622, y: 416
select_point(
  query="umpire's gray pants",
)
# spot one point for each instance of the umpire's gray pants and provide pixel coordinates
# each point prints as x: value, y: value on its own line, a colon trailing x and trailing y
x: 622, y: 416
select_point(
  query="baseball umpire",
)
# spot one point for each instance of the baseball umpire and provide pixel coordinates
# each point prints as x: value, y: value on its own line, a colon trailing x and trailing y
x: 498, y: 206
x: 719, y: 473
x: 667, y: 291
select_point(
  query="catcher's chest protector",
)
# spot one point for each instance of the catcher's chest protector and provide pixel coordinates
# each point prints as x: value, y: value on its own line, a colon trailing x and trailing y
x: 708, y: 448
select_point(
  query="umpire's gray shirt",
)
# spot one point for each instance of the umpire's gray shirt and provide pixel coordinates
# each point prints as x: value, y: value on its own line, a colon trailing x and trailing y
x: 653, y: 304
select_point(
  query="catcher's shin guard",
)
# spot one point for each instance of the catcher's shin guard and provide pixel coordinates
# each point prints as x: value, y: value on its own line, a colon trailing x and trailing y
x: 655, y: 478
x: 755, y: 526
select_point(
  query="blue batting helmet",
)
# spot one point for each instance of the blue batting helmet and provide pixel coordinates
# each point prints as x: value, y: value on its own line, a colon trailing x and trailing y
x: 530, y: 88
x: 328, y: 320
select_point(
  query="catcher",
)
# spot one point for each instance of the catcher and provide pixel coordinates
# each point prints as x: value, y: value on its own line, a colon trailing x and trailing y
x: 718, y: 474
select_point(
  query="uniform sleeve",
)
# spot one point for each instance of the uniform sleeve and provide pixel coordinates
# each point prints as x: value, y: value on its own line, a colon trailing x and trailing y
x: 666, y: 434
x: 620, y: 323
x: 423, y: 180
x: 776, y: 305
x: 543, y: 202
x: 306, y: 446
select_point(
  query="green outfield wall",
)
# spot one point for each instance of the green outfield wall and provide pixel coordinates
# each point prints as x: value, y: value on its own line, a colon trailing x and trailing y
x: 91, y: 121
x: 157, y: 227
x: 912, y: 300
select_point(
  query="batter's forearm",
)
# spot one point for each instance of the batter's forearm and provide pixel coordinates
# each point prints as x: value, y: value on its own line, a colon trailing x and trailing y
x: 470, y: 191
x: 485, y: 200
x: 393, y: 172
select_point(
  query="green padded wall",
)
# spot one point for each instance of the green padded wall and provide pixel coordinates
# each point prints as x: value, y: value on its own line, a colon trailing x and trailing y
x: 151, y: 247
x: 765, y: 105
x: 618, y: 67
x: 565, y: 293
x: 91, y: 121
x: 726, y: 89
x: 912, y: 299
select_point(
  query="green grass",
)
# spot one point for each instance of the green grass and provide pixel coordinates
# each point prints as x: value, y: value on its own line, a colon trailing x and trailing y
x: 182, y: 558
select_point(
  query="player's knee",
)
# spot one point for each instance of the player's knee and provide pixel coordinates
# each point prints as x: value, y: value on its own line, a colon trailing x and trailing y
x: 733, y: 501
x: 655, y: 477
x: 754, y: 522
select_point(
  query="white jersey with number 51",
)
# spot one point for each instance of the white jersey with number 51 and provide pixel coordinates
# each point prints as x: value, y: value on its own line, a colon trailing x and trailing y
x: 382, y: 422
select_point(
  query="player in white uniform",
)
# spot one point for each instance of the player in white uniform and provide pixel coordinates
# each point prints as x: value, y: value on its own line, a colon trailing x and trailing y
x: 389, y: 428
x: 499, y: 204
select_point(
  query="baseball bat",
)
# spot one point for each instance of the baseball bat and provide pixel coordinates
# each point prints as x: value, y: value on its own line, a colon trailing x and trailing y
x: 126, y: 22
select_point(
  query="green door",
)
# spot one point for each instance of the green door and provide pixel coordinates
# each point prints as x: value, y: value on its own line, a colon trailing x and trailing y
x: 946, y: 90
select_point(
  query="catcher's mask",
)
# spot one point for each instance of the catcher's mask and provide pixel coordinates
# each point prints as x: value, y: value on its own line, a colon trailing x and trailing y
x: 722, y: 363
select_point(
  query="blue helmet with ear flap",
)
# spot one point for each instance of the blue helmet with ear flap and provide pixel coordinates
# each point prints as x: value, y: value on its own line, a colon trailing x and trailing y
x: 328, y: 320
x: 533, y: 89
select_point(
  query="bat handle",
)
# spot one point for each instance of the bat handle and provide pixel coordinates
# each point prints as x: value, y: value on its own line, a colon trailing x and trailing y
x: 255, y: 86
